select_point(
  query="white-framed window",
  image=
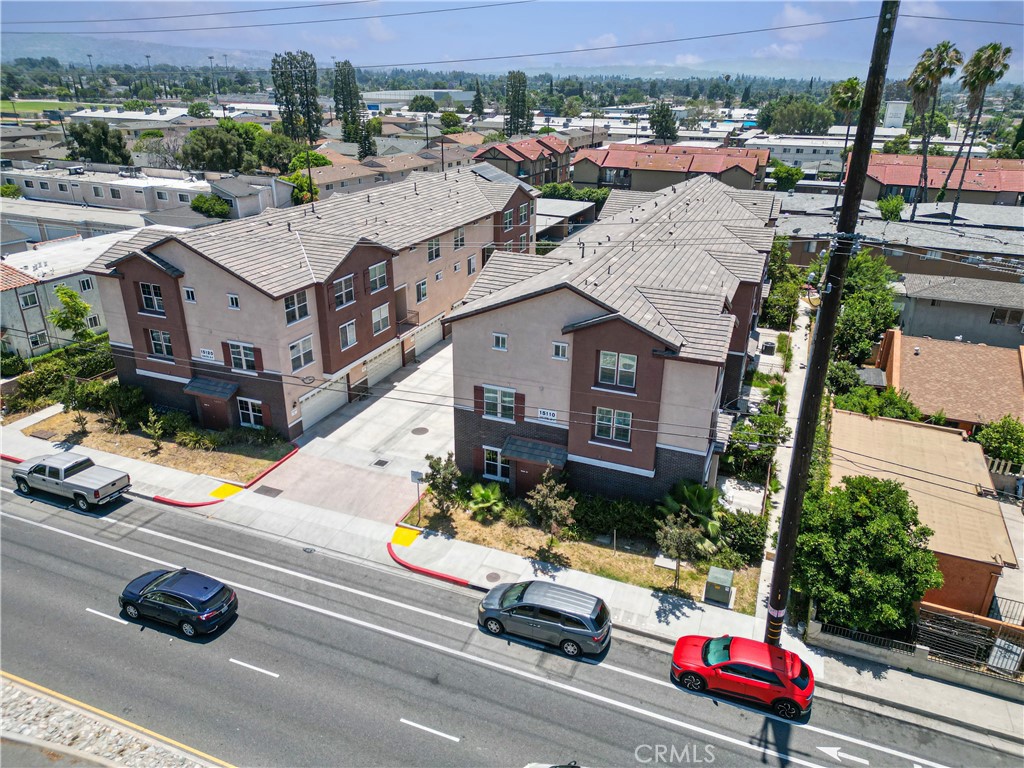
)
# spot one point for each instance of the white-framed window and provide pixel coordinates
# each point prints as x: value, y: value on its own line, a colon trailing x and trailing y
x: 160, y: 343
x: 190, y: 295
x: 506, y: 219
x: 152, y: 297
x: 617, y: 370
x: 31, y: 184
x: 610, y: 424
x: 250, y: 412
x: 560, y: 350
x: 233, y: 301
x: 433, y: 249
x: 499, y: 341
x: 84, y: 284
x: 243, y: 356
x: 931, y: 255
x: 348, y: 334
x: 301, y: 353
x: 889, y: 251
x: 44, y: 185
x: 496, y: 466
x: 62, y: 187
x: 28, y: 300
x: 115, y: 194
x: 522, y: 243
x: 810, y: 246
x: 161, y: 195
x: 295, y: 307
x: 500, y: 403
x: 378, y: 277
x: 37, y: 339
x: 524, y: 213
x: 421, y: 291
x: 381, y: 318
x: 97, y: 191
x: 460, y: 238
x: 457, y: 266
x: 93, y: 321
x: 182, y: 197
x: 471, y: 265
x: 438, y: 276
x: 344, y: 291
x: 508, y: 245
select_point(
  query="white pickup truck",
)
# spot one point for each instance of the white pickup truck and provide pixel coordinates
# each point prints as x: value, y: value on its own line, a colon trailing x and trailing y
x: 74, y: 476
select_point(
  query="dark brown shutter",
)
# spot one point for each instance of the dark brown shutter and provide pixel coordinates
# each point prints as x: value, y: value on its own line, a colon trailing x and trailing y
x: 137, y: 287
x: 226, y: 349
x: 366, y: 280
x: 257, y: 354
x: 519, y: 406
x: 147, y: 341
x: 268, y: 421
x: 478, y: 460
x: 478, y: 400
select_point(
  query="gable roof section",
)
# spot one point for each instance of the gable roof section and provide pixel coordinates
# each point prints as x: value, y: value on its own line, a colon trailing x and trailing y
x: 13, y: 278
x: 620, y: 200
x: 965, y: 290
x: 979, y: 177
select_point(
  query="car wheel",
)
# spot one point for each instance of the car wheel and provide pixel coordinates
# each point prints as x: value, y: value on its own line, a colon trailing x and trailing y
x: 494, y: 626
x: 786, y: 709
x: 188, y: 629
x: 24, y: 487
x: 131, y: 610
x: 82, y: 503
x: 571, y: 648
x: 694, y: 682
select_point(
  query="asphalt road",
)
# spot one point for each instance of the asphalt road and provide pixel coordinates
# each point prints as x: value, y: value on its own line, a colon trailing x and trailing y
x: 348, y: 663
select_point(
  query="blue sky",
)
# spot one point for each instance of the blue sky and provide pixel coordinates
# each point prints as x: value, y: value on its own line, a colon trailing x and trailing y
x: 539, y: 26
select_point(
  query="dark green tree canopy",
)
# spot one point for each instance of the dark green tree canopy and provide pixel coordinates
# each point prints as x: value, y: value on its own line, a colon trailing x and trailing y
x: 199, y: 109
x: 213, y: 149
x: 517, y: 110
x: 211, y: 206
x: 346, y: 99
x: 421, y: 103
x: 785, y: 176
x: 663, y: 122
x: 451, y: 120
x: 295, y: 92
x: 97, y: 142
x: 478, y: 101
x: 307, y: 158
x: 1003, y: 439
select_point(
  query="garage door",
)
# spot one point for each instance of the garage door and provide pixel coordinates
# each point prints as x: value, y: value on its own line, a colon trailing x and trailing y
x: 428, y: 335
x: 384, y: 364
x: 323, y: 401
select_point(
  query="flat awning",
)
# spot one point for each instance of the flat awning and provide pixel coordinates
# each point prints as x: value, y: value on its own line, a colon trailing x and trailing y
x: 215, y: 388
x: 535, y: 451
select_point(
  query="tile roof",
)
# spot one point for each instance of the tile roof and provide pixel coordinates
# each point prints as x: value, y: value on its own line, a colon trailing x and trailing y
x: 620, y: 200
x: 13, y: 278
x: 674, y: 162
x: 234, y: 187
x: 940, y: 470
x: 467, y: 138
x: 655, y: 266
x: 965, y: 290
x: 995, y: 175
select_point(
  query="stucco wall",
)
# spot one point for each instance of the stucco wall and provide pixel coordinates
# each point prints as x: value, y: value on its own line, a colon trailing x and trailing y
x: 689, y: 400
x: 969, y: 585
x: 948, y: 319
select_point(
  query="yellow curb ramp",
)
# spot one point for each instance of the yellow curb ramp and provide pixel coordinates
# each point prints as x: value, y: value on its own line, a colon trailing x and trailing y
x: 404, y: 536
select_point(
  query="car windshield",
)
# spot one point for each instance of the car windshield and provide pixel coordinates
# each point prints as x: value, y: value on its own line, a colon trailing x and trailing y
x: 801, y: 680
x: 716, y: 650
x: 159, y: 581
x: 78, y: 466
x: 514, y: 594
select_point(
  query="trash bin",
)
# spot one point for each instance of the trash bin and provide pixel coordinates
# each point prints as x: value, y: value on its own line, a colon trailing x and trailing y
x: 768, y: 348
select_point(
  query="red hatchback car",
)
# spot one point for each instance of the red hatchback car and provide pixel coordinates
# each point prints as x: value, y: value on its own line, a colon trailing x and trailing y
x: 748, y: 669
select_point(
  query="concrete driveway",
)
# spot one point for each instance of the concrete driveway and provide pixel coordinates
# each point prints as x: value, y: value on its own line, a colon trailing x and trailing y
x: 359, y: 459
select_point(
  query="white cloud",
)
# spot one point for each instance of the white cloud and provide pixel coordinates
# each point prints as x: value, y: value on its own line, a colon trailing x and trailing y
x: 379, y: 32
x: 596, y: 42
x: 792, y: 14
x: 687, y: 60
x: 776, y: 51
x: 921, y: 28
x: 597, y: 56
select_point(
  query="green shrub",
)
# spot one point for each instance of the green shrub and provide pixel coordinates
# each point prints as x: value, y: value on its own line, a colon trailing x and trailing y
x: 515, y: 514
x: 46, y: 379
x: 11, y: 364
x: 727, y: 558
x: 596, y: 515
x: 20, y: 403
x: 127, y: 402
x: 174, y: 422
x: 10, y: 190
x: 785, y: 351
x: 117, y: 426
x: 196, y: 439
x: 744, y: 533
x: 94, y: 395
x: 211, y: 206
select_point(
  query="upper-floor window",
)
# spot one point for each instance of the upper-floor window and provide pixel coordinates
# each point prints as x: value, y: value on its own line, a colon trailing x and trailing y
x: 301, y: 353
x: 182, y: 197
x: 29, y: 184
x: 610, y: 424
x: 190, y: 295
x: 421, y: 291
x: 37, y: 339
x: 44, y: 185
x: 115, y: 194
x: 506, y: 219
x: 152, y: 297
x: 460, y: 237
x: 97, y: 191
x: 895, y: 252
x: 378, y: 276
x: 524, y: 213
x: 348, y: 334
x: 62, y: 187
x: 344, y: 291
x: 433, y: 249
x: 243, y: 356
x: 560, y: 350
x: 84, y: 284
x: 381, y: 319
x: 233, y: 301
x: 295, y: 307
x: 1004, y: 316
x: 161, y: 195
x: 93, y: 321
x: 28, y: 300
x: 499, y: 341
x: 160, y: 343
x: 471, y: 265
x: 617, y: 370
x: 931, y: 255
x: 499, y: 402
x: 523, y: 244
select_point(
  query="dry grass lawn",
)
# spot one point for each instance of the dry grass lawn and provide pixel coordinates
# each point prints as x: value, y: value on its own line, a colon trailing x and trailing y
x: 234, y: 463
x: 628, y: 567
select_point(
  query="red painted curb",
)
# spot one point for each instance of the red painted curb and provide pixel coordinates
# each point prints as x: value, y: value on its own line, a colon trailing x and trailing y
x: 15, y: 459
x: 426, y: 571
x: 176, y: 503
x: 273, y: 466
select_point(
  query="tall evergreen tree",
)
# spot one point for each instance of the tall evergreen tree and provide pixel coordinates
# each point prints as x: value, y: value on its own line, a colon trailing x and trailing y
x: 367, y: 146
x: 346, y: 100
x: 478, y: 101
x: 295, y: 92
x: 517, y: 111
x: 663, y: 122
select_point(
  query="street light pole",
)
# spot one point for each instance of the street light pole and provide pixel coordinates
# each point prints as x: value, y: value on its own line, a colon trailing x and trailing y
x: 213, y: 82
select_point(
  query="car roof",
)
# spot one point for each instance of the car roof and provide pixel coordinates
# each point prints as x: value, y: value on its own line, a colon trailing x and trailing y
x: 61, y: 460
x: 561, y: 598
x: 746, y: 651
x: 192, y: 585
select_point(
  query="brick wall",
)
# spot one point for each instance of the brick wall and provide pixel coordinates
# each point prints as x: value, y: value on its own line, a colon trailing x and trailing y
x: 472, y: 431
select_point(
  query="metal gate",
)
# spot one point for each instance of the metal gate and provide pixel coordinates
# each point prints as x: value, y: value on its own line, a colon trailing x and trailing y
x: 998, y: 650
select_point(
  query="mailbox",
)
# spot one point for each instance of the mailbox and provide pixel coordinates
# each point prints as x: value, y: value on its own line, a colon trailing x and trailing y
x: 719, y: 586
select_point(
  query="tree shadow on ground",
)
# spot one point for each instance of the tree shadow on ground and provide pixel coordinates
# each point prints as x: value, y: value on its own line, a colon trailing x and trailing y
x: 438, y: 523
x: 674, y: 603
x: 547, y: 561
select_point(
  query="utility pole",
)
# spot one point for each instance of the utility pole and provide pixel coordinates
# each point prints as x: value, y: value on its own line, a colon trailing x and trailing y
x: 824, y: 329
x: 149, y: 67
x: 213, y: 83
x: 309, y: 137
x: 91, y: 68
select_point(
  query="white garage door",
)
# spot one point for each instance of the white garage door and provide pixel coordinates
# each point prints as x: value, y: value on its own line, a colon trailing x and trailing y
x: 428, y: 335
x: 384, y: 364
x: 323, y: 401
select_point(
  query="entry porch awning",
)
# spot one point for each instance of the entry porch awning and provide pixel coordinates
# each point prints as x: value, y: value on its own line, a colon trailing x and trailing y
x: 535, y: 451
x: 202, y: 386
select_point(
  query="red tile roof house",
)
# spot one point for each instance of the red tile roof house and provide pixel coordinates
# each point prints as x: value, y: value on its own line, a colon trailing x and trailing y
x: 989, y: 181
x: 611, y: 360
x: 543, y: 160
x: 280, y: 319
x: 649, y: 168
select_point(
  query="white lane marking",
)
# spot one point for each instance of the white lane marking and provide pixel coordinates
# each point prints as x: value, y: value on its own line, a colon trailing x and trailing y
x: 580, y: 692
x: 834, y: 753
x: 429, y: 730
x: 815, y: 729
x: 255, y: 669
x: 638, y: 675
x: 106, y: 616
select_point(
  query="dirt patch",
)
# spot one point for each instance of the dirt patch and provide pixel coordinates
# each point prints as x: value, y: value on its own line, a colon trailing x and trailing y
x: 235, y: 463
x: 628, y: 567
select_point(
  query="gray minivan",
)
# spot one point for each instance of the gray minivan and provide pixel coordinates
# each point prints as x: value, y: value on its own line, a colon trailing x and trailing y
x: 575, y: 621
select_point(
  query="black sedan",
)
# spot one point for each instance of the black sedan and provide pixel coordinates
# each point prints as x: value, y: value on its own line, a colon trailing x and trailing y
x: 194, y: 603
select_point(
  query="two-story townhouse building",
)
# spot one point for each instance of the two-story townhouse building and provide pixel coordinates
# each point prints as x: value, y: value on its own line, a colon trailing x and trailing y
x: 987, y: 181
x: 544, y: 160
x: 278, y: 320
x: 651, y: 168
x: 962, y: 309
x: 610, y: 359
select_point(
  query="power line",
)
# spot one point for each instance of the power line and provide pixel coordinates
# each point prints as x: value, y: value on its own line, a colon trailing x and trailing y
x: 188, y: 15
x: 963, y: 21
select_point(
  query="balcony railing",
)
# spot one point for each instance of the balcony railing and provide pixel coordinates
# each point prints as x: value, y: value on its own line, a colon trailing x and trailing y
x: 409, y: 322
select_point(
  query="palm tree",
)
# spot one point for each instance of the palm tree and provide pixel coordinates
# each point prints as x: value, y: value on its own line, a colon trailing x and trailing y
x: 986, y: 67
x: 845, y: 98
x: 935, y: 65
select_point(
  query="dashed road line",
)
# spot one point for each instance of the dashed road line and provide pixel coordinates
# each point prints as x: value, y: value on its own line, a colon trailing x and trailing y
x: 107, y: 616
x: 430, y: 730
x: 255, y: 669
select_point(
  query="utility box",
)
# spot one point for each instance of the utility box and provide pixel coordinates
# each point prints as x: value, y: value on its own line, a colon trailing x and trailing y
x: 768, y: 348
x: 719, y: 587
